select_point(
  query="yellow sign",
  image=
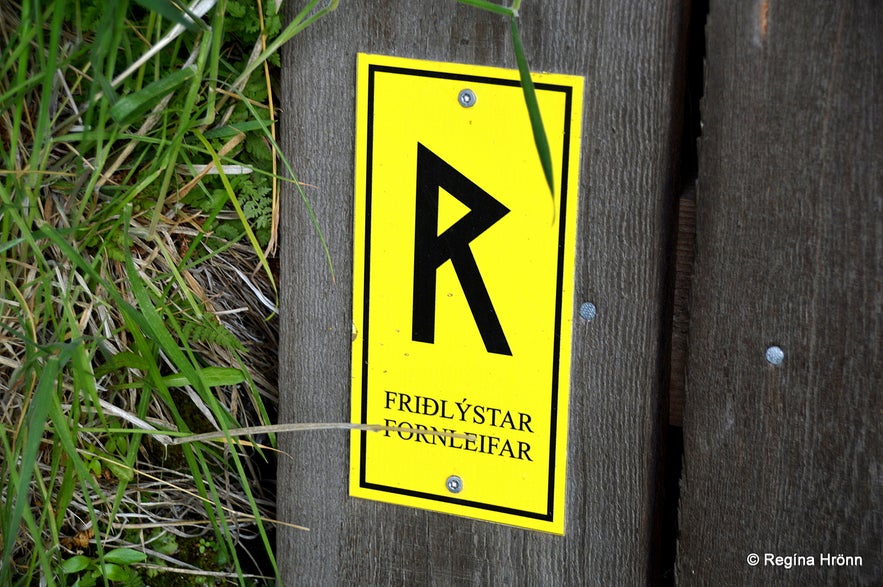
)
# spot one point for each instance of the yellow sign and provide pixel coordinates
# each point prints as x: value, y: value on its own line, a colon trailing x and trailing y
x: 462, y: 303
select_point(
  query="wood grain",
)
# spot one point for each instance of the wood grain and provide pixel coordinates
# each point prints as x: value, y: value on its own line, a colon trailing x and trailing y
x: 628, y: 54
x: 680, y: 324
x: 785, y: 460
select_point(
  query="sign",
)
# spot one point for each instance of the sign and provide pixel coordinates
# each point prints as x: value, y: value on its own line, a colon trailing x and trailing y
x: 462, y: 279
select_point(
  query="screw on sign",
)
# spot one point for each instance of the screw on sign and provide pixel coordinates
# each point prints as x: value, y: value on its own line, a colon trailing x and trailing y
x: 466, y: 98
x: 454, y: 484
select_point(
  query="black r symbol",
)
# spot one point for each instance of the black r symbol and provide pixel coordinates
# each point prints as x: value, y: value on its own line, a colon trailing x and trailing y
x: 431, y: 249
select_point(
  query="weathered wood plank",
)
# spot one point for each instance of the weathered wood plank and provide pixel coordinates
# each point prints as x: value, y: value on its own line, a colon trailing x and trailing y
x: 785, y: 460
x: 627, y: 53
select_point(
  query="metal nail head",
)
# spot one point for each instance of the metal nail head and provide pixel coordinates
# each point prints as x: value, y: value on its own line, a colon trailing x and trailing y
x: 454, y: 484
x: 467, y: 98
x: 588, y: 311
x: 775, y: 355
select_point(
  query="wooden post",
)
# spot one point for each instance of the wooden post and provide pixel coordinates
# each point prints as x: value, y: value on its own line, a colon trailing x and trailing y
x: 782, y: 461
x: 628, y: 54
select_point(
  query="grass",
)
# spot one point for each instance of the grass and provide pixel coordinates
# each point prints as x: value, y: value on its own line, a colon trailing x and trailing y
x: 134, y: 182
x: 139, y: 174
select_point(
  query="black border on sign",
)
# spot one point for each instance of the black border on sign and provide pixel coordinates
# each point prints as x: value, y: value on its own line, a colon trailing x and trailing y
x: 374, y: 68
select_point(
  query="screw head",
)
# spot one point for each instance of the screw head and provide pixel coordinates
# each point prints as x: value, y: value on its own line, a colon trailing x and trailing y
x: 587, y: 311
x: 775, y: 355
x: 467, y: 98
x: 454, y: 484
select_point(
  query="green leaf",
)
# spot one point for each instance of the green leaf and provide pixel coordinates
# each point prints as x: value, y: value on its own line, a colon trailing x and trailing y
x: 124, y: 556
x: 121, y: 472
x: 75, y: 564
x: 533, y: 107
x: 167, y: 545
x: 113, y: 572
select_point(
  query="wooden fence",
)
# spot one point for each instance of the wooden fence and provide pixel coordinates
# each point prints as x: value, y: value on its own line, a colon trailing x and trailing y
x: 769, y: 357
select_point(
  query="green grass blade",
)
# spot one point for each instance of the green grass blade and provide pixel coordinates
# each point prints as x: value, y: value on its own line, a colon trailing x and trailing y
x: 38, y: 413
x: 300, y: 190
x: 490, y: 7
x: 28, y: 518
x: 298, y: 24
x: 133, y: 106
x: 533, y: 108
x: 168, y: 10
x: 239, y: 211
x: 212, y: 376
x: 530, y: 96
x: 65, y: 438
x: 11, y: 244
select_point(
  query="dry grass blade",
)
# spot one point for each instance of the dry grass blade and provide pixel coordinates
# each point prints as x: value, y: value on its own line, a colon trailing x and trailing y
x: 313, y: 426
